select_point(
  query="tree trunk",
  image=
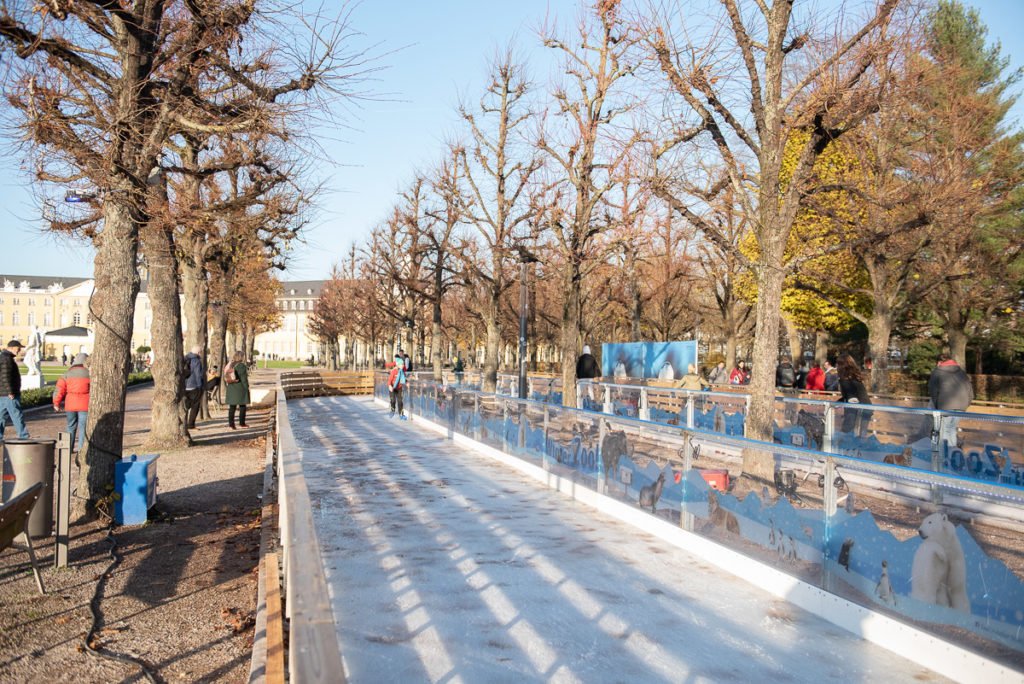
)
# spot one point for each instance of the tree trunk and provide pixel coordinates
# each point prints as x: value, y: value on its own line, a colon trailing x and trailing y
x: 492, y: 350
x: 570, y: 336
x: 879, y: 332
x: 820, y: 345
x: 112, y: 307
x: 195, y: 302
x: 758, y: 463
x: 730, y: 346
x: 218, y: 338
x: 435, y: 341
x: 956, y: 335
x: 796, y: 347
x: 167, y: 428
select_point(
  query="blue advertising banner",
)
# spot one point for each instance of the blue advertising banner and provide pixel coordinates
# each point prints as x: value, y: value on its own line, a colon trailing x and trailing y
x: 664, y: 360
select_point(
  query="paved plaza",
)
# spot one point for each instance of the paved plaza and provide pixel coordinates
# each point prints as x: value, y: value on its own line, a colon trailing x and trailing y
x: 445, y: 566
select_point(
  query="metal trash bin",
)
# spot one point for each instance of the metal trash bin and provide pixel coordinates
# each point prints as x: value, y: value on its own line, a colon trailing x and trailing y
x: 25, y: 462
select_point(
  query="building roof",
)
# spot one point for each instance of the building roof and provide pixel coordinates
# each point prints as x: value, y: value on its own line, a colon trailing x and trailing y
x: 301, y: 288
x: 70, y: 331
x: 38, y: 283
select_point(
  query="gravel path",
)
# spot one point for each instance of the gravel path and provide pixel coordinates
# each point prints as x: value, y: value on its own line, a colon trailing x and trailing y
x: 447, y: 567
x: 182, y: 596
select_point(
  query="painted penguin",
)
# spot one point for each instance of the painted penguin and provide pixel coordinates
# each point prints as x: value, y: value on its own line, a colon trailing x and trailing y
x: 844, y: 553
x: 883, y: 590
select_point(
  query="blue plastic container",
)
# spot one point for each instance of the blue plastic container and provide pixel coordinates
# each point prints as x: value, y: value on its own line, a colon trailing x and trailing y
x: 135, y: 483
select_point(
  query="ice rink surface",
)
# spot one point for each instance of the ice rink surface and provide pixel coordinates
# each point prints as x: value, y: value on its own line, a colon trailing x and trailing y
x: 445, y: 566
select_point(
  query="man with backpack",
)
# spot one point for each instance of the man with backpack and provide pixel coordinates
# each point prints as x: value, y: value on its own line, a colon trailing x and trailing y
x: 397, y: 380
x: 785, y: 376
x: 194, y: 385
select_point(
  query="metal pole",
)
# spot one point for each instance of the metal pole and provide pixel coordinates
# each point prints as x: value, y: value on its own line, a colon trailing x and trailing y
x: 64, y: 443
x: 523, y: 306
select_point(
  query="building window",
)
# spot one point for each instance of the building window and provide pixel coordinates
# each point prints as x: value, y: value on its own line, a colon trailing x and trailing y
x: 15, y: 318
x: 31, y: 301
x: 47, y: 319
x: 47, y: 301
x: 1, y: 317
x: 293, y: 305
x: 16, y: 301
x: 77, y: 320
x: 302, y: 305
x: 88, y: 320
x: 31, y: 317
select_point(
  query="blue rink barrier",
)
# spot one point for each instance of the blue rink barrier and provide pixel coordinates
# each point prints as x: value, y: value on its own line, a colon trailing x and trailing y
x: 938, y: 552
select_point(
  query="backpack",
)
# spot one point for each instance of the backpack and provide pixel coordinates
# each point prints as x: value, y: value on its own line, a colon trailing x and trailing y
x: 786, y: 376
x: 230, y: 376
x: 399, y: 377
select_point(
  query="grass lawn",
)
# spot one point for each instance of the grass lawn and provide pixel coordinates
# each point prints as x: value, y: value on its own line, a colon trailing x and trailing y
x: 265, y: 363
x: 50, y: 373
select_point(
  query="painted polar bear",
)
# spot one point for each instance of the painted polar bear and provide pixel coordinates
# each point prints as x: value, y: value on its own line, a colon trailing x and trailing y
x: 939, y: 573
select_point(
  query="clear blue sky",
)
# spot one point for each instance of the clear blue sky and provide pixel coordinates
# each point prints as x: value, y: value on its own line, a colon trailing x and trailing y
x: 445, y: 45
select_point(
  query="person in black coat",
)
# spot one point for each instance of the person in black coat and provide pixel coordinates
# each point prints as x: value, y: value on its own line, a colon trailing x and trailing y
x: 586, y: 365
x: 10, y: 390
x: 853, y: 391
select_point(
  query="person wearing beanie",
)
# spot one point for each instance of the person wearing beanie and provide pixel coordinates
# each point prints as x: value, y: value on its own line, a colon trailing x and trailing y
x: 10, y: 390
x: 397, y: 380
x: 73, y: 391
x: 586, y: 365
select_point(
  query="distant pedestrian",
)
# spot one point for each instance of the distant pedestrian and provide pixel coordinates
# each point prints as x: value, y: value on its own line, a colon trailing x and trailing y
x: 692, y: 380
x: 853, y: 391
x: 73, y: 391
x: 64, y: 360
x: 815, y: 377
x: 740, y: 375
x: 406, y: 361
x: 459, y: 369
x: 10, y: 390
x: 800, y: 381
x: 785, y: 376
x: 236, y: 377
x: 397, y: 381
x: 949, y: 389
x: 586, y: 365
x: 831, y: 377
x: 718, y: 375
x: 194, y: 385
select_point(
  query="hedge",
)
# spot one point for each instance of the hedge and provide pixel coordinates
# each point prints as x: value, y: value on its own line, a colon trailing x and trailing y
x: 39, y: 397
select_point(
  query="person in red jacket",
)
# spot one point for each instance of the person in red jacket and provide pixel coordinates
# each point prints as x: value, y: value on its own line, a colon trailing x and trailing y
x: 815, y: 377
x: 73, y: 392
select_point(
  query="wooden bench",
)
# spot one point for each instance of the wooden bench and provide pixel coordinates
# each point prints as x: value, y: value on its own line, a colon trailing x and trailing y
x: 14, y: 521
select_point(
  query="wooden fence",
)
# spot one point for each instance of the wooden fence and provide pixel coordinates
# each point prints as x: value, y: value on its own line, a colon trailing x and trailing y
x: 319, y: 383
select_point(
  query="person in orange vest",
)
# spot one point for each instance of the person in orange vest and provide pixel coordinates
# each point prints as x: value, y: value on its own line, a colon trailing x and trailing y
x: 73, y: 392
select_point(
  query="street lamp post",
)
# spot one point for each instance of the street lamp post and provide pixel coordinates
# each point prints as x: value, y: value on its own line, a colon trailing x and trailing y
x: 525, y: 259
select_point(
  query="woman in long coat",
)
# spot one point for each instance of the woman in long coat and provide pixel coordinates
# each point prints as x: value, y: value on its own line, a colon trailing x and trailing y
x: 237, y: 392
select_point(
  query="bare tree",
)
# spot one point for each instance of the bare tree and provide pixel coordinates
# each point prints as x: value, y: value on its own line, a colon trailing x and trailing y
x: 755, y: 81
x: 584, y: 153
x: 497, y: 178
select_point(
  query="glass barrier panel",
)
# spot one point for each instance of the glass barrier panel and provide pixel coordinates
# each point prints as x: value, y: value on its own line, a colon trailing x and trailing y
x: 955, y: 568
x: 491, y: 423
x: 573, y: 440
x: 802, y: 424
x: 719, y: 412
x: 643, y: 465
x: 466, y: 419
x: 987, y: 448
x: 782, y: 525
x: 666, y: 406
x: 625, y: 401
